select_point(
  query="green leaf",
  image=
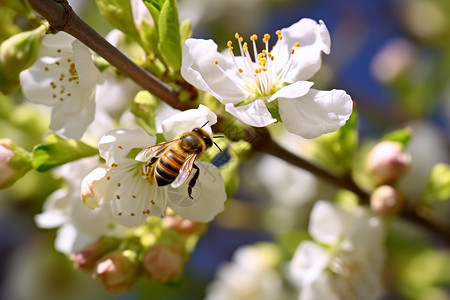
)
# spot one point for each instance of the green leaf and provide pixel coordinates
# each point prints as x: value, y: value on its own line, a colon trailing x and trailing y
x: 185, y: 31
x: 119, y: 14
x: 402, y: 136
x: 57, y: 151
x: 438, y: 184
x: 144, y: 109
x: 337, y: 150
x: 169, y: 35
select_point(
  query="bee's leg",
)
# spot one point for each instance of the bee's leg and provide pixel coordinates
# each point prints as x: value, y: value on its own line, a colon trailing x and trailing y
x: 193, y: 180
x: 152, y: 161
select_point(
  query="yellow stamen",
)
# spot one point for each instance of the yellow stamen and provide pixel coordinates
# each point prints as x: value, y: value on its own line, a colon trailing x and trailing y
x: 240, y: 70
x: 292, y: 51
x: 236, y: 35
x: 254, y: 37
x: 297, y: 44
x: 216, y: 62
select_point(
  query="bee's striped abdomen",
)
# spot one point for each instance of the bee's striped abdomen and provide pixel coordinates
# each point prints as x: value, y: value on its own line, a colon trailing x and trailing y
x: 168, y: 167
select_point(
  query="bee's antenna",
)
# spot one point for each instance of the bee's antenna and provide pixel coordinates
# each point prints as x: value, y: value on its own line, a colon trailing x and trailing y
x: 204, y: 124
x: 217, y: 146
x: 218, y: 136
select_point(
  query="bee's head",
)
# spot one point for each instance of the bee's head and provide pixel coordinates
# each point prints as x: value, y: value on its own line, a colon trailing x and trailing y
x: 204, y: 135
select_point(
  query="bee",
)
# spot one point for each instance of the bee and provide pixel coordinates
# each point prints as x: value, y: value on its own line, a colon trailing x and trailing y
x: 172, y: 162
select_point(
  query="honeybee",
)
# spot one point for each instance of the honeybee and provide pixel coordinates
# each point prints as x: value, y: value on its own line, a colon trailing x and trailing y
x: 172, y: 162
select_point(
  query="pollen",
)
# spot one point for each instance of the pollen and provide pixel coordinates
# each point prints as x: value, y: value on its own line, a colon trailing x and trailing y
x: 119, y: 213
x: 114, y: 165
x: 118, y: 184
x: 297, y: 44
x: 120, y: 147
x: 108, y: 178
x: 216, y: 62
x: 134, y: 196
x: 132, y: 214
x: 240, y: 70
x: 152, y: 202
x: 118, y: 197
x: 292, y: 51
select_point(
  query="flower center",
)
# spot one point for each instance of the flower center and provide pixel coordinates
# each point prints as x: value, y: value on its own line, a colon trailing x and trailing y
x: 65, y: 77
x: 265, y: 74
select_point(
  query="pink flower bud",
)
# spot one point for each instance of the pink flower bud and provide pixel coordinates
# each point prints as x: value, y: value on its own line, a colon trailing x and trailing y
x: 164, y: 262
x: 14, y: 163
x: 183, y: 226
x: 387, y: 162
x: 86, y: 258
x: 386, y: 201
x: 118, y: 270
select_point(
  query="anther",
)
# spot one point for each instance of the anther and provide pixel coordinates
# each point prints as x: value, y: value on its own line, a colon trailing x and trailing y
x: 297, y: 44
x: 216, y: 62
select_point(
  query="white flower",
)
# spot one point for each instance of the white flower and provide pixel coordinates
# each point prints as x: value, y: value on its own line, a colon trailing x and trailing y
x: 64, y: 77
x: 345, y: 260
x: 124, y: 187
x: 78, y: 225
x: 251, y: 275
x: 274, y: 87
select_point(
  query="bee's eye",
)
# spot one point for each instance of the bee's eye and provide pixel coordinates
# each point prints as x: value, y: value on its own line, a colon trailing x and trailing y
x: 195, y: 130
x: 207, y: 140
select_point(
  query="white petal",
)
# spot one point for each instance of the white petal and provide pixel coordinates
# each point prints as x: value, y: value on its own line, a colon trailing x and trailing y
x: 50, y: 219
x: 292, y: 91
x: 198, y: 69
x: 70, y: 240
x: 88, y: 73
x: 208, y: 193
x: 132, y: 199
x: 306, y: 61
x: 187, y: 120
x: 115, y: 145
x: 88, y: 195
x: 72, y: 125
x: 316, y: 113
x: 254, y: 114
x: 308, y: 262
x: 329, y: 223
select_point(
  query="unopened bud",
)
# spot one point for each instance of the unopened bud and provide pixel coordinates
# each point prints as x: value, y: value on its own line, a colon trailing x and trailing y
x: 183, y: 226
x: 86, y: 258
x: 14, y: 163
x: 387, y: 162
x: 164, y: 263
x: 386, y: 201
x: 119, y: 271
x: 19, y: 52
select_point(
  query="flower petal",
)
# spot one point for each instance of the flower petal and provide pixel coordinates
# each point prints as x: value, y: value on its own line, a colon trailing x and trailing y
x: 187, y: 120
x: 313, y: 38
x: 115, y: 145
x: 308, y: 262
x: 198, y: 69
x: 254, y: 114
x: 72, y: 125
x: 208, y: 193
x: 292, y: 91
x: 316, y: 113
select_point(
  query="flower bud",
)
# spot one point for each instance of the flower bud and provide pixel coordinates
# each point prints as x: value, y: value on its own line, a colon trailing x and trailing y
x: 14, y: 163
x: 387, y: 162
x: 119, y: 271
x: 183, y: 226
x: 17, y: 53
x: 164, y: 262
x: 86, y: 258
x: 386, y: 201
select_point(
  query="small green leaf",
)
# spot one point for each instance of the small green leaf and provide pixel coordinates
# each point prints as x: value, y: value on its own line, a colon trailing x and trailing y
x: 57, y: 151
x: 185, y: 31
x: 402, y: 136
x: 439, y: 183
x: 133, y: 152
x: 337, y: 150
x: 119, y: 14
x: 169, y: 35
x: 144, y: 109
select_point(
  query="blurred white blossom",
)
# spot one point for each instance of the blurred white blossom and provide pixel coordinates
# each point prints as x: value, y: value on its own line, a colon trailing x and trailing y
x: 345, y: 258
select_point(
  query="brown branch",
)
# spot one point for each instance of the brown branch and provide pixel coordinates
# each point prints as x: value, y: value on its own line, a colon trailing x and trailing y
x: 61, y: 17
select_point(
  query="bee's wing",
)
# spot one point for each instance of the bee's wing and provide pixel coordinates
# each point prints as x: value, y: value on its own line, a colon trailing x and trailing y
x: 185, y: 171
x: 153, y: 151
